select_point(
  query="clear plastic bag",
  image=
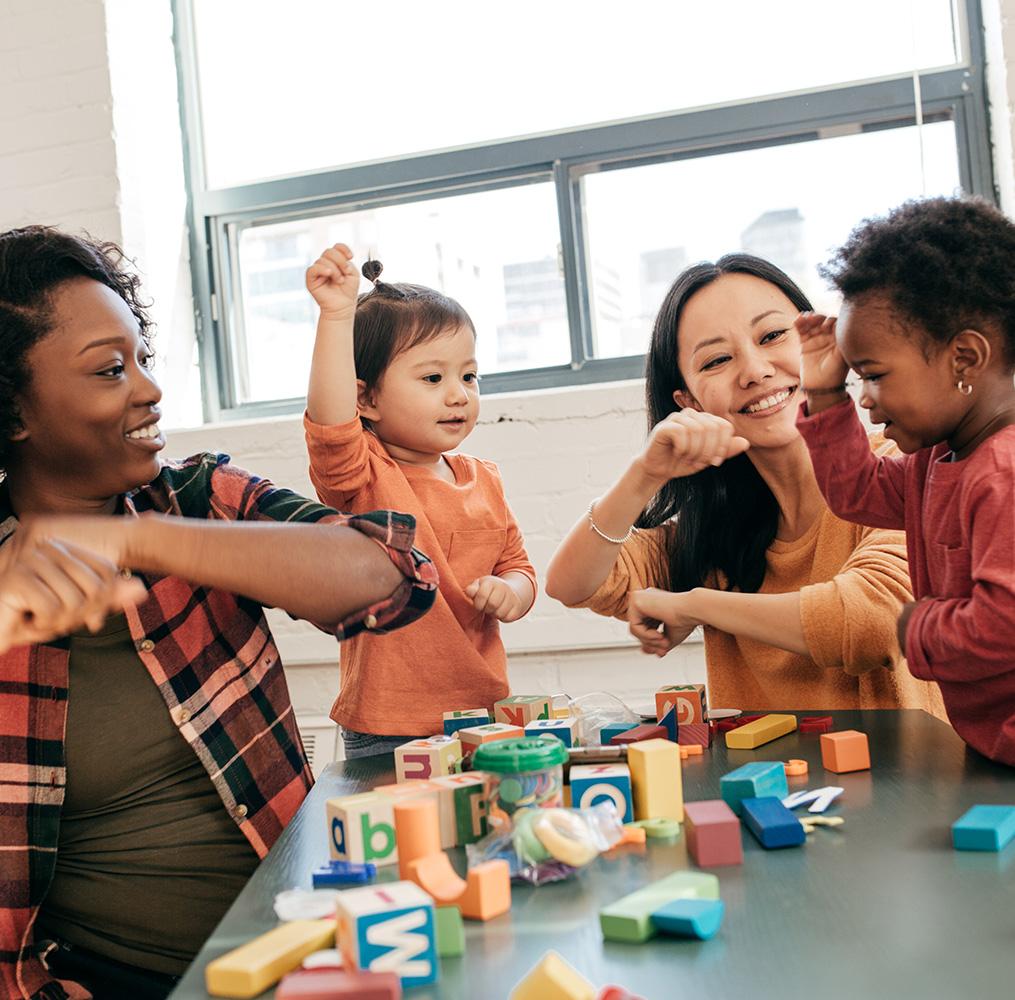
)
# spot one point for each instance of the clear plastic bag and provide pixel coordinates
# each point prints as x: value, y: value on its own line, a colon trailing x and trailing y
x: 598, y: 709
x: 547, y: 845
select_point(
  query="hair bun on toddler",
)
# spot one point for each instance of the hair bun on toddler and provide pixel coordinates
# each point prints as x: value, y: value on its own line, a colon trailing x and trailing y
x: 371, y: 270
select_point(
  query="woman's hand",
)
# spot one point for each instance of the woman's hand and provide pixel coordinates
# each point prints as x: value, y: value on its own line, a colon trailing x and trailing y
x: 686, y: 442
x: 659, y: 620
x: 49, y: 587
x: 821, y: 365
x: 334, y: 283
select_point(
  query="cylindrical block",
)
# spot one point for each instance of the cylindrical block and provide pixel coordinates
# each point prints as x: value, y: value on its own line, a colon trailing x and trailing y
x: 417, y: 831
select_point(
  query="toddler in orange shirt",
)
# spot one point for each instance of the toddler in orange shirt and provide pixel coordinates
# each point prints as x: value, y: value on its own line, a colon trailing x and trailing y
x: 393, y: 391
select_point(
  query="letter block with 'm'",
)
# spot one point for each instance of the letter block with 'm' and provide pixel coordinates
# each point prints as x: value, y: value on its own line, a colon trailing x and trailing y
x: 361, y: 828
x: 595, y: 783
x: 389, y: 928
x: 421, y: 760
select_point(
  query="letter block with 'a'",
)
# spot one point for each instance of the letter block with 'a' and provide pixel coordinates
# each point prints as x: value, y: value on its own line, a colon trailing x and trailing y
x: 361, y: 828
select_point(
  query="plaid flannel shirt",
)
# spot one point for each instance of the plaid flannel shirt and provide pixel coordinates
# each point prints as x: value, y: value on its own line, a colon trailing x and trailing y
x: 212, y: 657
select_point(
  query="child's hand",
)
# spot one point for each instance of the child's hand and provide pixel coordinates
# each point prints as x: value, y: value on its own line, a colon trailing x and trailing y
x: 493, y: 596
x: 821, y: 364
x: 659, y: 620
x: 687, y: 442
x: 334, y: 283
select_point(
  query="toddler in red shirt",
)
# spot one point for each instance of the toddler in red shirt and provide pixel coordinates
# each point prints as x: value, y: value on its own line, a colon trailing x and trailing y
x: 928, y: 325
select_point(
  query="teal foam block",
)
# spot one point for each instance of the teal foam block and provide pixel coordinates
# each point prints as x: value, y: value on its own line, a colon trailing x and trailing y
x: 754, y: 781
x: 630, y: 919
x: 698, y: 918
x: 984, y: 828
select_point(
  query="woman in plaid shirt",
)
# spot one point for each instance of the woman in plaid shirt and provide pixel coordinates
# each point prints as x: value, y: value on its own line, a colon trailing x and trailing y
x: 132, y: 813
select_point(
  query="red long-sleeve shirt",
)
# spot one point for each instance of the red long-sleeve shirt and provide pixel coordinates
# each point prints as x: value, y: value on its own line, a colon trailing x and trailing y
x: 960, y: 538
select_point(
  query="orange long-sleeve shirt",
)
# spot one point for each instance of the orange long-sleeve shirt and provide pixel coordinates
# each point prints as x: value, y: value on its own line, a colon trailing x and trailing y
x: 401, y: 683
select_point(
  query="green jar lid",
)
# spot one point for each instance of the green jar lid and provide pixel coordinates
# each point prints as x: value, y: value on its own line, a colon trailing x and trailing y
x: 519, y: 756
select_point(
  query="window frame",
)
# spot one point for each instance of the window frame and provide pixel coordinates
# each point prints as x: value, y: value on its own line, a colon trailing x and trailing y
x: 217, y: 217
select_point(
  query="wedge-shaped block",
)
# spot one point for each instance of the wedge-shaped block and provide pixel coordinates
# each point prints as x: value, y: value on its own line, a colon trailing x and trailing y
x: 760, y: 732
x: 464, y: 717
x: 712, y: 833
x: 754, y: 780
x: 688, y: 700
x: 475, y: 736
x: 595, y: 783
x: 695, y: 918
x: 553, y: 979
x: 450, y: 932
x: 638, y: 734
x: 845, y: 751
x: 521, y: 709
x: 421, y: 760
x: 669, y: 722
x: 630, y: 919
x: 984, y: 828
x: 253, y: 967
x: 463, y: 808
x: 772, y: 823
x: 564, y: 729
x: 337, y: 984
x: 612, y: 729
x: 656, y: 780
x: 361, y: 828
x: 389, y: 928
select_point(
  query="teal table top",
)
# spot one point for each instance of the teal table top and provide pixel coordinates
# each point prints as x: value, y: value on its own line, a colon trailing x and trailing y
x: 881, y: 906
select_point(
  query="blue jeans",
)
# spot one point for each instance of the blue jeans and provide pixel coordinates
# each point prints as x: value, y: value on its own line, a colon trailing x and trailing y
x: 370, y: 744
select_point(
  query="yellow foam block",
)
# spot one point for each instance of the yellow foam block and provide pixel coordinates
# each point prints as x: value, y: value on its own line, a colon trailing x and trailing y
x: 656, y: 781
x: 760, y: 732
x: 553, y: 979
x: 253, y: 967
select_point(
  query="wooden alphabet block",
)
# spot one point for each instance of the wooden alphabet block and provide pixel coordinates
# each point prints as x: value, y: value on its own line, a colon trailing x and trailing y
x: 595, y: 783
x: 755, y: 780
x: 252, y: 968
x: 845, y: 751
x: 463, y: 808
x: 688, y: 699
x: 630, y: 919
x: 760, y: 732
x: 420, y: 760
x: 361, y: 828
x: 656, y: 780
x: 553, y: 979
x: 521, y: 709
x: 389, y: 928
x: 564, y: 729
x: 453, y: 721
x: 475, y: 736
x: 712, y: 833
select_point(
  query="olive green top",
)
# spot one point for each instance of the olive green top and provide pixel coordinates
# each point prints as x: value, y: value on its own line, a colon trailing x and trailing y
x: 149, y: 859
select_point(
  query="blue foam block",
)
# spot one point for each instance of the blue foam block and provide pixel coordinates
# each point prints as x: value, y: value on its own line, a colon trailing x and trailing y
x: 669, y: 723
x: 699, y: 918
x: 772, y: 823
x: 755, y: 780
x: 984, y: 828
x: 343, y: 873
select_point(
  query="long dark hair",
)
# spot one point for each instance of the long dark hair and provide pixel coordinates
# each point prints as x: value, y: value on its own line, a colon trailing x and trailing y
x: 721, y: 520
x: 34, y: 262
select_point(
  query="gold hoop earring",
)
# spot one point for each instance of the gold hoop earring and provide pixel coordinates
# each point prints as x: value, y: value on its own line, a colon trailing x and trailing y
x: 964, y: 387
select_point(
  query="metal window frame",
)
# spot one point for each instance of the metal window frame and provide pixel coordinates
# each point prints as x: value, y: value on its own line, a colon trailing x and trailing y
x: 216, y: 217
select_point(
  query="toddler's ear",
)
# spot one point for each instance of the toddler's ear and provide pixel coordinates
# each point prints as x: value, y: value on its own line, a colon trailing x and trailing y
x: 365, y: 401
x: 685, y: 400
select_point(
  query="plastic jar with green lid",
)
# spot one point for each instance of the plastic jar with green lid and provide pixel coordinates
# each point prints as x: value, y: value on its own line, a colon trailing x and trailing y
x: 521, y: 774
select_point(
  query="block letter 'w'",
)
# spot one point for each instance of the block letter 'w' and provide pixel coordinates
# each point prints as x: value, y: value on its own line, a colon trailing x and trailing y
x: 397, y: 935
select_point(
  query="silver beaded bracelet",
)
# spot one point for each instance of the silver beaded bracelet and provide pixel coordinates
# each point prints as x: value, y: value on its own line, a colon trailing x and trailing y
x: 602, y: 534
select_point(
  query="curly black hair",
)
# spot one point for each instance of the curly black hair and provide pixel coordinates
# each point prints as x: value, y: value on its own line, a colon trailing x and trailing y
x: 946, y: 264
x: 34, y: 262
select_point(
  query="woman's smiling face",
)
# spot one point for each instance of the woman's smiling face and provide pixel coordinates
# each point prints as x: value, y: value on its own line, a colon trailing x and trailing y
x: 739, y: 357
x: 89, y: 415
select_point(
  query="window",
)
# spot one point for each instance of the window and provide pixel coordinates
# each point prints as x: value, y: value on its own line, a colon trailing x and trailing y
x: 553, y: 174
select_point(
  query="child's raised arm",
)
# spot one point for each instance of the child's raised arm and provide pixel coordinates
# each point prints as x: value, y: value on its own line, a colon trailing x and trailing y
x: 333, y: 281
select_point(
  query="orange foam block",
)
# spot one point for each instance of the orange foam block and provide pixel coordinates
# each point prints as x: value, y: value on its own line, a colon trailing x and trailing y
x: 417, y: 832
x: 845, y: 751
x: 488, y: 891
x: 436, y: 875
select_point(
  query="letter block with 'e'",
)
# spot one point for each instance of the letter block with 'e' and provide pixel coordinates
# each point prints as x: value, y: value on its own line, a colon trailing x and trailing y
x: 389, y: 928
x: 421, y: 760
x: 361, y: 828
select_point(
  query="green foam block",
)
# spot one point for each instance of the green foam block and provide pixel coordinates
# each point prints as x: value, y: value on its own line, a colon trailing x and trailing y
x: 450, y: 932
x: 630, y: 919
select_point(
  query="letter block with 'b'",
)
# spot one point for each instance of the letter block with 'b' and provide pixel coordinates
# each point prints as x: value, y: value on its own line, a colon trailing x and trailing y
x: 361, y: 828
x: 389, y: 928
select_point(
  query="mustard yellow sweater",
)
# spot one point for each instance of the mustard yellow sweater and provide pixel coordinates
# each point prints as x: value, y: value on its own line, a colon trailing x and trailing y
x: 852, y: 581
